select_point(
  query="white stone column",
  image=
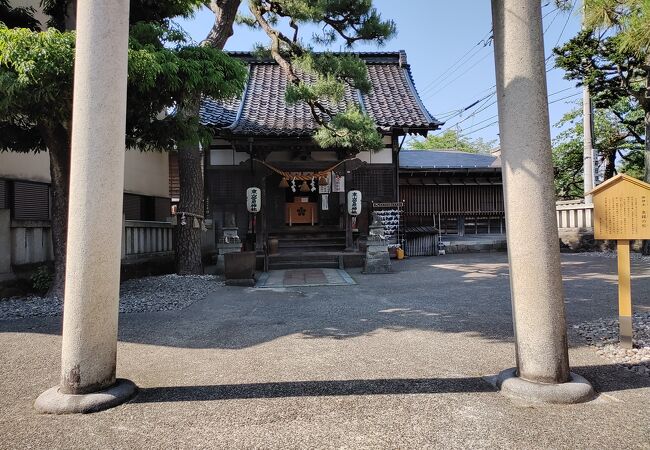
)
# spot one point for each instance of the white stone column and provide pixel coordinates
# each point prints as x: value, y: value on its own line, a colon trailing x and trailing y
x: 90, y: 315
x: 533, y: 248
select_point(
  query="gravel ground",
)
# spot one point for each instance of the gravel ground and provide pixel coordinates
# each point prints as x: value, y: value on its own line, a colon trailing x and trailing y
x: 603, y: 334
x: 634, y: 256
x: 159, y: 293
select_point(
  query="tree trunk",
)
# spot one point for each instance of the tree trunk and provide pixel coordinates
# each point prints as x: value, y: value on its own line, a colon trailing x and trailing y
x: 190, y: 173
x: 58, y: 145
x: 188, y: 237
x: 610, y: 163
x: 225, y: 12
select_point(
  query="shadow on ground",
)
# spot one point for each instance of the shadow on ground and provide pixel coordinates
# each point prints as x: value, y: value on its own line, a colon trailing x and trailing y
x: 606, y: 378
x: 454, y: 294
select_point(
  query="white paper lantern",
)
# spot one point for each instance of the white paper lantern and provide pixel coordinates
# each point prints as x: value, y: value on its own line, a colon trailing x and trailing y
x: 354, y: 203
x: 253, y: 199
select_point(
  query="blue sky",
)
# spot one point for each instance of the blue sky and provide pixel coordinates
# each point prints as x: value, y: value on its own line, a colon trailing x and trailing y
x: 451, y: 65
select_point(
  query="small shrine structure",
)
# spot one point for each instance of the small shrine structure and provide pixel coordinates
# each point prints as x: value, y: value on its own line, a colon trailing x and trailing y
x: 261, y: 141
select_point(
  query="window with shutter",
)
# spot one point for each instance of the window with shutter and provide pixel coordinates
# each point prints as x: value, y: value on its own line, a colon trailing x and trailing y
x: 4, y: 194
x: 31, y: 201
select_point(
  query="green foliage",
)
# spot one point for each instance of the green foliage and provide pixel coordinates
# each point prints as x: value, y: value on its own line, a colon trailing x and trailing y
x: 36, y: 82
x: 41, y: 279
x: 610, y: 73
x: 453, y: 140
x: 629, y: 18
x: 612, y: 57
x: 633, y: 165
x: 320, y: 80
x: 343, y: 67
x: 617, y: 149
x: 568, y: 158
x: 351, y: 130
x: 157, y: 11
x: 36, y: 77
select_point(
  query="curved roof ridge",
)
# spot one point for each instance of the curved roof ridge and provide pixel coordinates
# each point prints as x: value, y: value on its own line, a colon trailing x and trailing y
x: 243, y: 100
x: 411, y: 84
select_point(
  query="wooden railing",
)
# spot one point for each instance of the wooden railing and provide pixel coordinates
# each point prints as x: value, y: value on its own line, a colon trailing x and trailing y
x: 31, y: 241
x: 140, y: 239
x: 24, y: 242
x: 574, y: 214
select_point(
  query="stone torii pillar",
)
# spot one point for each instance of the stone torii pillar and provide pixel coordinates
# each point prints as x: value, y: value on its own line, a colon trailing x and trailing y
x: 89, y: 348
x: 542, y: 372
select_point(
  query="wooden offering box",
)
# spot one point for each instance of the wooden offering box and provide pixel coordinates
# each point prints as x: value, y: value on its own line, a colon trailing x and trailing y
x: 302, y: 211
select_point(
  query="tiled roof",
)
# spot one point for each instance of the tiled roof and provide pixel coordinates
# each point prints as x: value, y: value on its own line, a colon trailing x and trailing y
x: 446, y: 159
x: 392, y: 102
x: 221, y: 113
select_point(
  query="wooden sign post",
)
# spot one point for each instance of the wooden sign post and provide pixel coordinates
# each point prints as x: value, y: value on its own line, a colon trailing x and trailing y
x: 621, y: 209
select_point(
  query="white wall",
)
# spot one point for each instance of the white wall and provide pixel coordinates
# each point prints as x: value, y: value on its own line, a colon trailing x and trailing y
x: 36, y: 4
x: 145, y: 173
x: 25, y: 166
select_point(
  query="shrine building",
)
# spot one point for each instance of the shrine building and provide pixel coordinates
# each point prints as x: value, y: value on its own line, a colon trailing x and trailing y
x: 260, y: 141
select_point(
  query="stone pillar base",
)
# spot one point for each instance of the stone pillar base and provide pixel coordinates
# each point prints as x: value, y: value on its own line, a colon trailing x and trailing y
x: 54, y: 402
x: 577, y: 390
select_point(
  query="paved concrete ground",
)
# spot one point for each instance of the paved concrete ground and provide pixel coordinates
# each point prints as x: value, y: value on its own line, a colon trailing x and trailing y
x: 394, y: 361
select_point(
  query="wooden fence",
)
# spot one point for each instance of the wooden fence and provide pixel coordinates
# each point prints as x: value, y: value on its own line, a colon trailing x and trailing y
x: 31, y: 241
x: 142, y: 239
x: 574, y: 214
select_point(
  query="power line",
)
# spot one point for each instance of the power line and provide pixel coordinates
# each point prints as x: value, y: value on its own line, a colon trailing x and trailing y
x: 568, y: 18
x: 434, y: 92
x: 482, y: 108
x: 479, y: 129
x: 481, y: 121
x: 456, y: 78
x: 486, y: 106
x: 561, y: 90
x: 457, y: 112
x: 564, y: 98
x: 483, y: 42
x: 557, y: 42
x: 431, y: 88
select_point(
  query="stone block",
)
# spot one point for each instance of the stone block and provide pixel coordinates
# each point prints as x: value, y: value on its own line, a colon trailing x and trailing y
x: 377, y: 258
x: 239, y: 268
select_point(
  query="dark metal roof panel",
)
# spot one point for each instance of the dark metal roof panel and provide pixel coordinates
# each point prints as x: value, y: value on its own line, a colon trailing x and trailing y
x: 446, y: 159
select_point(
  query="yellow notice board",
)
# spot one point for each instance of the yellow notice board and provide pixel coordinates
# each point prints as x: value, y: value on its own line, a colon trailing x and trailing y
x: 622, y: 209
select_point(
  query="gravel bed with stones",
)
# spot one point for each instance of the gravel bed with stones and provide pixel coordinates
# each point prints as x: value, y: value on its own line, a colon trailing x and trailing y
x: 159, y: 293
x: 603, y: 334
x: 634, y: 256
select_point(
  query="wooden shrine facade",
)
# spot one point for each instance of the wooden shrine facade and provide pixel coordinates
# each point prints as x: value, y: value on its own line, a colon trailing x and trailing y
x: 320, y: 206
x: 261, y: 141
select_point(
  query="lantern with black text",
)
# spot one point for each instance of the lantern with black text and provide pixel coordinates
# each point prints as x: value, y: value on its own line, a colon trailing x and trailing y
x: 253, y: 199
x: 354, y: 203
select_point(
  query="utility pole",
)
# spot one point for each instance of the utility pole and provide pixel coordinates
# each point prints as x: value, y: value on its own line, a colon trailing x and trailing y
x: 588, y: 150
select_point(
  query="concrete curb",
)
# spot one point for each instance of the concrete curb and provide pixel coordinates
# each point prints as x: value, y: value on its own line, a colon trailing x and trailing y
x: 577, y: 390
x: 54, y: 402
